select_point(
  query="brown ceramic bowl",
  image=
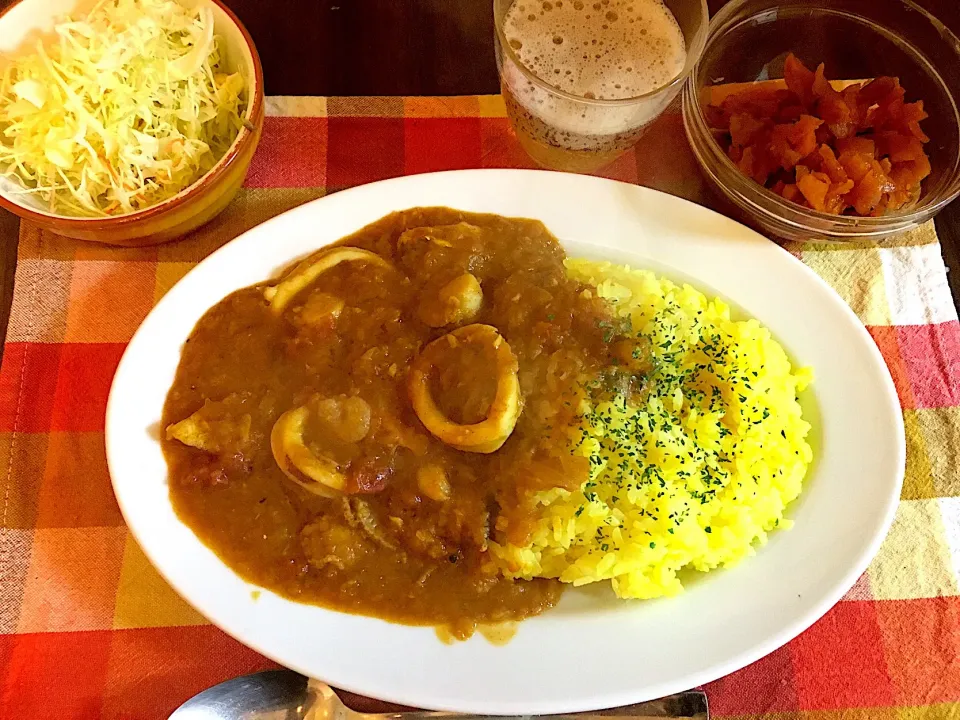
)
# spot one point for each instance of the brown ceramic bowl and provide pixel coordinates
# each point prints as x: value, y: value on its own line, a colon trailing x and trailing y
x: 192, y: 207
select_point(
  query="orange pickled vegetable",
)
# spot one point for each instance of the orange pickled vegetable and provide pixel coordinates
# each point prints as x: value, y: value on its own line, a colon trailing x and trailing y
x: 744, y: 128
x: 875, y: 90
x: 799, y: 80
x: 836, y: 196
x: 866, y: 194
x: 792, y: 192
x: 859, y: 145
x: 899, y: 148
x: 814, y: 187
x: 855, y: 164
x: 830, y: 165
x: 846, y: 148
x: 802, y: 136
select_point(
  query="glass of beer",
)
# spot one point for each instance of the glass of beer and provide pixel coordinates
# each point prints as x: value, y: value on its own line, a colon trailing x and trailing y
x: 583, y: 79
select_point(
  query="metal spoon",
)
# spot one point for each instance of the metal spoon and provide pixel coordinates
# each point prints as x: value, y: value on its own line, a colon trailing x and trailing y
x: 286, y: 695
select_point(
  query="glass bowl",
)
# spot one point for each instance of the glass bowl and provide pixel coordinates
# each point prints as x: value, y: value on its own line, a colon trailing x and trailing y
x: 857, y: 39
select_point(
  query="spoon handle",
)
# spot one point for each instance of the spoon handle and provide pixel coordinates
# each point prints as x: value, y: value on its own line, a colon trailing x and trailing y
x: 286, y: 695
x: 691, y: 704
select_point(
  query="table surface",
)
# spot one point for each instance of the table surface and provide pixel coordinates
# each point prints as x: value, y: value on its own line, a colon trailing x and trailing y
x: 437, y: 47
x: 389, y: 47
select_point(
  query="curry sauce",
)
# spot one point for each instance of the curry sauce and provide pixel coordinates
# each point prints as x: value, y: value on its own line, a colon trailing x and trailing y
x: 469, y: 317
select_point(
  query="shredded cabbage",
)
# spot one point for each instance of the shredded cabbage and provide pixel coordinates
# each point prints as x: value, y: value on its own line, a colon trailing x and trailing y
x: 121, y: 110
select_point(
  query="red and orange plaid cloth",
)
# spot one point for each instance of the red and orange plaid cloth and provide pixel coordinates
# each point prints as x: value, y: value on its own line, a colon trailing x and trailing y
x: 89, y: 630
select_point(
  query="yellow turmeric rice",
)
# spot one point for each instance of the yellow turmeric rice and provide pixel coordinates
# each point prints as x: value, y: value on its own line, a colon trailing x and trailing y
x: 696, y: 474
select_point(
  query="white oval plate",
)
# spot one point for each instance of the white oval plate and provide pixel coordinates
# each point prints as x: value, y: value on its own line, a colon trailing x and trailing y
x: 592, y: 651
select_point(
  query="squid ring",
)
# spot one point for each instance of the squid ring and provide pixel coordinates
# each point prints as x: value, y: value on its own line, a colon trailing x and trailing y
x: 280, y: 295
x: 316, y: 474
x: 490, y: 433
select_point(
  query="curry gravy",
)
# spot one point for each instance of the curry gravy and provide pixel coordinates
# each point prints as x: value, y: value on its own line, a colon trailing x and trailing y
x: 406, y: 536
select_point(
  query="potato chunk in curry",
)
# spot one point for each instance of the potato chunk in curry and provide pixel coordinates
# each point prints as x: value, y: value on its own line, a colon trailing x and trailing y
x: 215, y: 427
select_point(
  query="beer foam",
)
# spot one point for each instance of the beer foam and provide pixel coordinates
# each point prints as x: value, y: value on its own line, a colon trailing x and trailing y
x: 608, y: 49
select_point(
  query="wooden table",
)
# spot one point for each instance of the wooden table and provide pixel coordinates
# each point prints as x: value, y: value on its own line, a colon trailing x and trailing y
x: 398, y: 47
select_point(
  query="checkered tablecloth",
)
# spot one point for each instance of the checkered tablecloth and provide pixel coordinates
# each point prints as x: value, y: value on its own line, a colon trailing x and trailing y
x: 89, y: 630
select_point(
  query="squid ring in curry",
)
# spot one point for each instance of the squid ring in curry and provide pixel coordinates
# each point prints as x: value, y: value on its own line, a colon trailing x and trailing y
x: 489, y: 434
x: 316, y: 474
x: 280, y: 295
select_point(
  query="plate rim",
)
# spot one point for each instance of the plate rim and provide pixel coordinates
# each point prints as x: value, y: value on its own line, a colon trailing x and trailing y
x: 788, y: 631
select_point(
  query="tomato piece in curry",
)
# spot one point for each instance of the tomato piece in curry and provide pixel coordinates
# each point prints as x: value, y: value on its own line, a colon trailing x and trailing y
x: 355, y: 435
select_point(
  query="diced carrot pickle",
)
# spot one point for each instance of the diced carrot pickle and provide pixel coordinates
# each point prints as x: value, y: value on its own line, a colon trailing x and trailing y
x: 760, y: 102
x: 866, y: 194
x: 913, y: 112
x: 824, y: 136
x: 904, y: 194
x: 835, y: 202
x: 792, y: 193
x: 910, y: 172
x: 821, y: 86
x: 799, y: 80
x: 859, y: 145
x: 814, y: 190
x: 744, y: 128
x: 717, y: 118
x: 857, y: 150
x: 914, y: 128
x: 903, y: 148
x: 790, y: 112
x: 843, y: 188
x: 781, y: 149
x: 802, y: 134
x: 888, y: 112
x: 851, y: 96
x: 855, y: 165
x: 878, y: 88
x: 830, y: 165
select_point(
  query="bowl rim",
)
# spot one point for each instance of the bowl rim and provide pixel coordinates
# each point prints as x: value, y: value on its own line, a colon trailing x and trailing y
x: 763, y: 200
x: 248, y: 133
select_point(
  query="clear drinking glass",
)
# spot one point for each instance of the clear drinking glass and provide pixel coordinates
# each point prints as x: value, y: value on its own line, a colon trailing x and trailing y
x: 565, y: 131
